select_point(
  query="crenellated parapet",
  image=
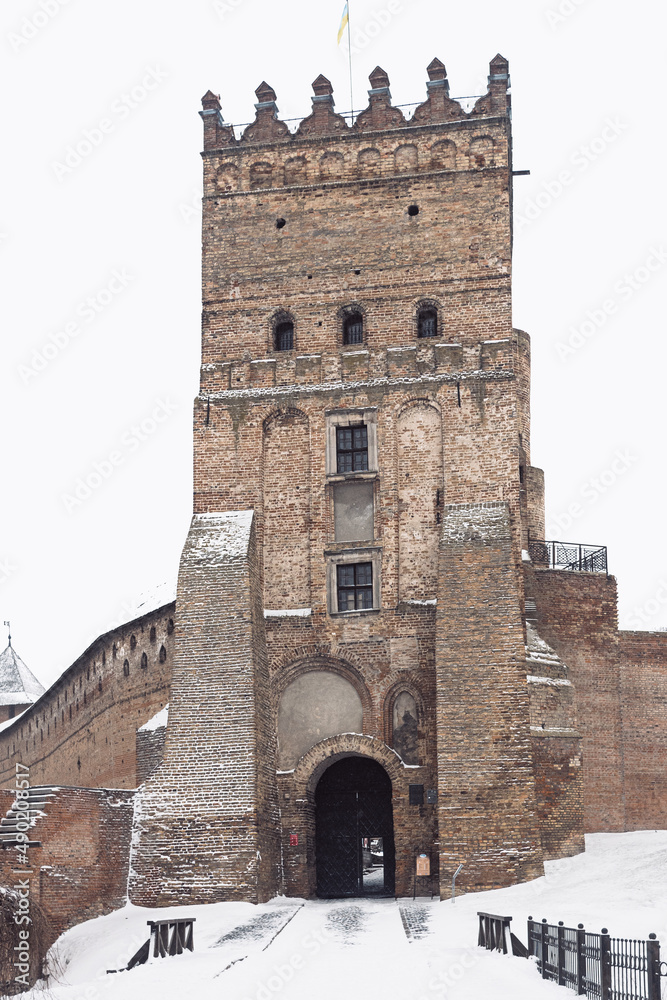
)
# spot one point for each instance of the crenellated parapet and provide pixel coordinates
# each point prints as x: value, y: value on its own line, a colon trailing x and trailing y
x: 438, y: 108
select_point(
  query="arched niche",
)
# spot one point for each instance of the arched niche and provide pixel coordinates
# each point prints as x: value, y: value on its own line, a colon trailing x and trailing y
x: 420, y: 494
x: 316, y: 705
x: 404, y: 727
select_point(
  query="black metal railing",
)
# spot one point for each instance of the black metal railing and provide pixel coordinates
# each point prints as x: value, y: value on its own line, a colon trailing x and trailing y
x: 596, y: 965
x: 492, y: 931
x: 569, y: 556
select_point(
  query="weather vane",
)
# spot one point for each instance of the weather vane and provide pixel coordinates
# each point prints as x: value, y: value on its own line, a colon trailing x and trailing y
x: 9, y: 633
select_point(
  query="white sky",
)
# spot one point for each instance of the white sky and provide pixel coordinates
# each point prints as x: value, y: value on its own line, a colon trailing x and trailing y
x: 130, y: 207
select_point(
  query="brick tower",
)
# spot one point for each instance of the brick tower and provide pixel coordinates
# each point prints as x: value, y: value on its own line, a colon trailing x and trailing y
x: 351, y: 661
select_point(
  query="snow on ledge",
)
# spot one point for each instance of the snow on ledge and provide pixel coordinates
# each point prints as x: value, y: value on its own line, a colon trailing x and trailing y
x: 551, y: 681
x: 157, y: 722
x: 430, y: 603
x: 289, y: 613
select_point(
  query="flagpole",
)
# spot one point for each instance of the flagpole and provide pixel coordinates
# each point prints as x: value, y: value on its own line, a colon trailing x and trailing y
x: 349, y: 51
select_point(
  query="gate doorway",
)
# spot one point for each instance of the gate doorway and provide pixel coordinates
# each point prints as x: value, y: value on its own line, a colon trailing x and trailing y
x: 354, y: 830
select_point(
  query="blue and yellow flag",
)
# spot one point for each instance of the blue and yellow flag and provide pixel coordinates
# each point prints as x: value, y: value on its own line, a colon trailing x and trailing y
x: 343, y: 22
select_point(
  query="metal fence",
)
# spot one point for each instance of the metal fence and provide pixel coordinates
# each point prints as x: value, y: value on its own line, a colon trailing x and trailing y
x: 596, y: 965
x: 569, y: 556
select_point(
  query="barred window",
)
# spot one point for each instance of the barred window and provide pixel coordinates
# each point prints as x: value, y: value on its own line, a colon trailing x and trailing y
x: 355, y: 586
x: 427, y: 323
x: 353, y: 329
x: 352, y: 448
x: 284, y: 336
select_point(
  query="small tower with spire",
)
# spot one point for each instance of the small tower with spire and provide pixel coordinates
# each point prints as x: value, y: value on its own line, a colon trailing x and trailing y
x: 19, y: 688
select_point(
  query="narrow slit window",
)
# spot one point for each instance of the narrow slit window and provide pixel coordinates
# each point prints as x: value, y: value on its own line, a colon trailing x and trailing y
x: 352, y: 448
x: 355, y: 586
x: 353, y: 329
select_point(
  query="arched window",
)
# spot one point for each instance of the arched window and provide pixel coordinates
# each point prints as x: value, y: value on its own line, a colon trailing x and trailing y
x: 427, y: 321
x: 283, y: 335
x: 163, y: 654
x: 353, y: 328
x: 170, y: 626
x: 133, y: 642
x: 144, y: 661
x: 152, y: 633
x: 126, y: 668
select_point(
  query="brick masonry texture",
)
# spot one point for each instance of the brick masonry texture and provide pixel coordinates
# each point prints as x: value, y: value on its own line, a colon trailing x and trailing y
x: 534, y: 718
x: 82, y: 731
x: 80, y: 871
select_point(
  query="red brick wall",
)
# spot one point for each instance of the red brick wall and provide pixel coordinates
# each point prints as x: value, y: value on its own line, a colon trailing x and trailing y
x: 82, y: 730
x: 81, y: 869
x: 643, y: 679
x: 213, y: 798
x: 487, y: 807
x: 576, y: 614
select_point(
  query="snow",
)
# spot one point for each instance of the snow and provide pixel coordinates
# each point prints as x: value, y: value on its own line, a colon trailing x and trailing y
x: 221, y: 534
x: 157, y: 722
x: 358, y: 948
x: 551, y: 681
x: 18, y: 684
x: 289, y: 613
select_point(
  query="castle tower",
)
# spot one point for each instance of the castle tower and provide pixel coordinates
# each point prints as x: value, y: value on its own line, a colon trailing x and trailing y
x: 349, y: 687
x: 19, y: 688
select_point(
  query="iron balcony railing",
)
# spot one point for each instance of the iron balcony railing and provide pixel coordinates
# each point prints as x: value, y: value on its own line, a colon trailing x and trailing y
x: 569, y: 556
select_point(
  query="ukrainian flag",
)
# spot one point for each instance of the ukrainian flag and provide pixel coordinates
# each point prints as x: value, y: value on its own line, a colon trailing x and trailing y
x: 343, y: 22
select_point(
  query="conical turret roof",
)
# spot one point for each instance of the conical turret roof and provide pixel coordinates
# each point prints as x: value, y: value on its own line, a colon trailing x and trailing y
x: 18, y: 684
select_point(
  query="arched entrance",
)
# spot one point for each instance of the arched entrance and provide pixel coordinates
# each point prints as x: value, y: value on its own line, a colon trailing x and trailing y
x: 354, y: 830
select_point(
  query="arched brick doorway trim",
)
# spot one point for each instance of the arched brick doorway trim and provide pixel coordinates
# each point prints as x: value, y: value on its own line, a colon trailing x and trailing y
x: 297, y: 795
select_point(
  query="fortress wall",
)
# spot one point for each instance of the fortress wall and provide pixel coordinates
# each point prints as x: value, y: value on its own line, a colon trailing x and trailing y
x: 643, y: 680
x: 576, y: 614
x: 82, y: 731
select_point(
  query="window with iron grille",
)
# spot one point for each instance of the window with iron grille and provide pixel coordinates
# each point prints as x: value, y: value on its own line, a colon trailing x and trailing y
x: 283, y: 336
x: 353, y: 329
x: 355, y: 586
x: 352, y: 448
x: 427, y: 323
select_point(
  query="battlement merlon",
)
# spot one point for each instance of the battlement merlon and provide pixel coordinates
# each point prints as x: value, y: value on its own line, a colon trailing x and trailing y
x: 438, y: 108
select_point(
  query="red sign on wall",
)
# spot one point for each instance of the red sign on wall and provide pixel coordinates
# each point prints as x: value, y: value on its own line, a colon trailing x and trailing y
x: 294, y: 839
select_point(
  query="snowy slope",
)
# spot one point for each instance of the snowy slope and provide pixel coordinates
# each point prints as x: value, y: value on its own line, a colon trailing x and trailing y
x: 359, y: 948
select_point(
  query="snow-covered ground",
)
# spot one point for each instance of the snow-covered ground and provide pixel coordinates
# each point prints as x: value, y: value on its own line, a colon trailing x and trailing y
x: 321, y: 950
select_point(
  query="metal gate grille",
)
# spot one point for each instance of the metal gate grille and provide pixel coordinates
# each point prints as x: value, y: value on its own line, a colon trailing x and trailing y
x: 352, y: 802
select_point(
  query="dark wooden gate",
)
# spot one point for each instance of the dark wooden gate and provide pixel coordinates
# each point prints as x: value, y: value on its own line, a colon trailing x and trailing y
x: 353, y: 813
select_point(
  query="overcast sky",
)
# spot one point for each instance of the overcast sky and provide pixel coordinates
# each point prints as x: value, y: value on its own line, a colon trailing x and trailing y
x: 100, y: 259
